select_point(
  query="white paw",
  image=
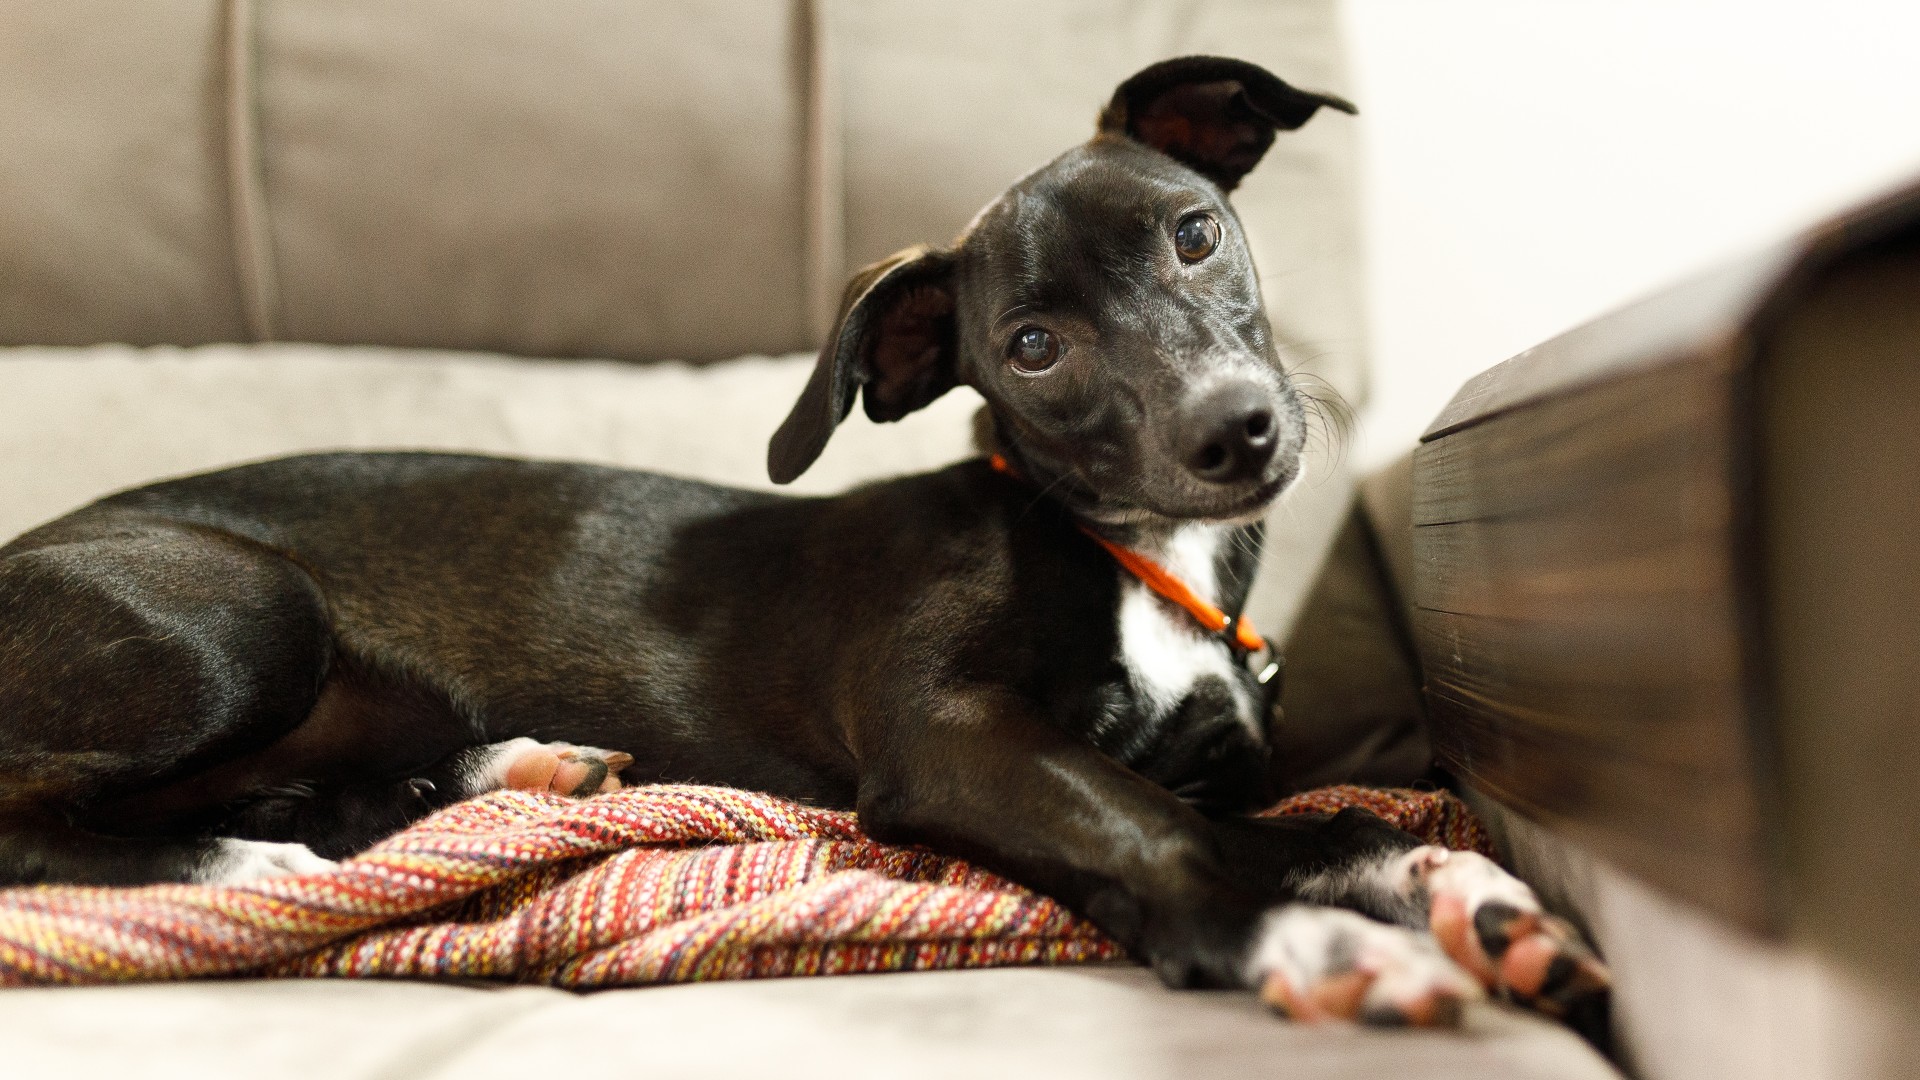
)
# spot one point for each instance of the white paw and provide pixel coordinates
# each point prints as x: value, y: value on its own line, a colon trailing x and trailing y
x: 1474, y: 878
x: 1493, y: 925
x: 236, y: 862
x: 531, y: 765
x: 1319, y: 963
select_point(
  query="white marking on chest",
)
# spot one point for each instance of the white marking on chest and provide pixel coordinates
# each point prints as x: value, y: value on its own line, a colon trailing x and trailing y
x: 1164, y: 649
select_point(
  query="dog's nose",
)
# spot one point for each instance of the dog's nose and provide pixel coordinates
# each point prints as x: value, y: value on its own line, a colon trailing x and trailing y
x: 1231, y: 434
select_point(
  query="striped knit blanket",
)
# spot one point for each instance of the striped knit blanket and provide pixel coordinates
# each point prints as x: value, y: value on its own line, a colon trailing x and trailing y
x: 645, y: 885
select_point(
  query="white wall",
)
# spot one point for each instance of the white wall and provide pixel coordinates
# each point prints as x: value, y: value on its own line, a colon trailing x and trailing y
x: 1531, y: 163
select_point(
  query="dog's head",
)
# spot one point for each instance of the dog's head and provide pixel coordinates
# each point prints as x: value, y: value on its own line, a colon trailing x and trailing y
x: 1105, y: 306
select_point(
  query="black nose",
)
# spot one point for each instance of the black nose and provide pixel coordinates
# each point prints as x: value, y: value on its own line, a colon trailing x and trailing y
x: 1231, y: 434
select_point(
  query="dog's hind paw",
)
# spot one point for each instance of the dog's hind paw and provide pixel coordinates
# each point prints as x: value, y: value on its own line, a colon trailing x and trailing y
x: 1316, y: 964
x: 235, y: 862
x: 562, y: 768
x: 1492, y: 924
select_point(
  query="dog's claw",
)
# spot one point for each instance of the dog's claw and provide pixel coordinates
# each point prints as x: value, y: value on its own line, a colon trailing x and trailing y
x: 603, y: 767
x: 589, y: 782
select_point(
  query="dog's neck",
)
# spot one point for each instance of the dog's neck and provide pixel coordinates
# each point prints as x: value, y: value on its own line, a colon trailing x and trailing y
x: 1216, y: 559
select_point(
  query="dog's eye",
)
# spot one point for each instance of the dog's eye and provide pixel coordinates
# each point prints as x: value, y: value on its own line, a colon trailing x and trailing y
x: 1196, y: 236
x: 1034, y: 349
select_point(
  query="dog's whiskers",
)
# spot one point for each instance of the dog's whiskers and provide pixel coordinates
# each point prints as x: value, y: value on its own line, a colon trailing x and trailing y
x: 1320, y: 401
x: 1243, y: 543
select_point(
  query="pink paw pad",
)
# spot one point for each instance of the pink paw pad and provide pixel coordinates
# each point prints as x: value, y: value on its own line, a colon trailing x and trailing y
x: 566, y: 770
x: 1491, y: 924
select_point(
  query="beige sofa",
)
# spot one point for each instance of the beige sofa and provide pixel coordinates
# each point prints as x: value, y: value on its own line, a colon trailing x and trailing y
x: 610, y: 231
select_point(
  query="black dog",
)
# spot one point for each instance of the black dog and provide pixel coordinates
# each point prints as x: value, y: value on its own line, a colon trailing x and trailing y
x: 214, y: 678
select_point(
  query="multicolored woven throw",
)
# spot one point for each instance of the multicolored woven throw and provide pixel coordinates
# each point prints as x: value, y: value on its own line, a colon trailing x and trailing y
x: 645, y: 885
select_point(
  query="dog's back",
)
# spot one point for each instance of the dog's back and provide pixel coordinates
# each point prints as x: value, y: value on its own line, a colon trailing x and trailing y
x: 210, y: 654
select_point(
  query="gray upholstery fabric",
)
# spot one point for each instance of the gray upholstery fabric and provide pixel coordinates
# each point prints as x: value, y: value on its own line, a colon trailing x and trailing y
x: 78, y: 423
x: 569, y: 178
x: 1110, y: 1023
x: 582, y: 177
x: 587, y: 178
x: 1353, y: 712
x: 1695, y: 1000
x: 114, y: 225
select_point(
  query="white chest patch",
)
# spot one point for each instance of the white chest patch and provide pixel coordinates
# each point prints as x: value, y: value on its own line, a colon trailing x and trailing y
x: 1165, y: 651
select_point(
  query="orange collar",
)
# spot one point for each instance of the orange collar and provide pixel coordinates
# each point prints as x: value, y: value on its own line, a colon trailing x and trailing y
x: 1162, y: 581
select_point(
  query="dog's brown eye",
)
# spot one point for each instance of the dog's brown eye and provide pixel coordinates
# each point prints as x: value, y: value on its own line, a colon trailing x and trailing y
x: 1034, y: 349
x: 1196, y: 236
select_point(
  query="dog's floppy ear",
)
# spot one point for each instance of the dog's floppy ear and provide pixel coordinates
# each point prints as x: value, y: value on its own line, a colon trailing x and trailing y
x: 1212, y: 114
x: 894, y: 337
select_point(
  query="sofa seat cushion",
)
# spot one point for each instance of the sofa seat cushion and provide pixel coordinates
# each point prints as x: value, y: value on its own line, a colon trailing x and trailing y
x: 1109, y: 1021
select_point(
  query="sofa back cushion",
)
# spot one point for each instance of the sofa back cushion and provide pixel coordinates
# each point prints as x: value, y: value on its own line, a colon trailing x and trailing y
x: 579, y: 177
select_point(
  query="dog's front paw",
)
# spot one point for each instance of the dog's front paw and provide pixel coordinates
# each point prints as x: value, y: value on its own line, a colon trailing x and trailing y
x: 562, y: 768
x: 1493, y: 925
x: 1316, y: 964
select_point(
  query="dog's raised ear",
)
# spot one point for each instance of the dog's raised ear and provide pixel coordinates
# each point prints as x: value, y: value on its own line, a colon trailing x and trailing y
x: 1212, y: 114
x: 894, y: 337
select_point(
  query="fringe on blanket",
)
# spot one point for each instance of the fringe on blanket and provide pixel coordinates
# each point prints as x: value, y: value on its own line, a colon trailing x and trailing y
x: 667, y: 883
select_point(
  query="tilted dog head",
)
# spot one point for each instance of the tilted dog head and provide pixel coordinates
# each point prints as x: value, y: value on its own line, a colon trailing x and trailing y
x: 1105, y: 306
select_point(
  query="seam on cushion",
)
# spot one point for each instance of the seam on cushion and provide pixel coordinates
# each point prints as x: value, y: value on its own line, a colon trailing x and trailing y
x: 246, y: 189
x: 826, y: 209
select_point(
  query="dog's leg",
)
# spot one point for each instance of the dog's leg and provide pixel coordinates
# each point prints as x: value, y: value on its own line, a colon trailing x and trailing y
x: 133, y: 655
x: 339, y: 820
x: 988, y: 778
x: 1317, y: 963
x: 38, y: 850
x: 1485, y: 919
x: 1491, y: 923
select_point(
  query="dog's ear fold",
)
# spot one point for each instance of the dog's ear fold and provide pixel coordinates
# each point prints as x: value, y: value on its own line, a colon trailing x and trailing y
x: 894, y: 337
x: 1212, y: 114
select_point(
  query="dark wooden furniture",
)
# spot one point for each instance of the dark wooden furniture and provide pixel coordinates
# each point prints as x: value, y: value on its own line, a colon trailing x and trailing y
x: 1666, y: 586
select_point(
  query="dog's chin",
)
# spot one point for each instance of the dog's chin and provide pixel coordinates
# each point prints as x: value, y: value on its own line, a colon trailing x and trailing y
x: 1242, y: 507
x: 1256, y: 503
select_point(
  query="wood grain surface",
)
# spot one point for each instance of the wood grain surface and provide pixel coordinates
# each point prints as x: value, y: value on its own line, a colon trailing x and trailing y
x: 1610, y: 640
